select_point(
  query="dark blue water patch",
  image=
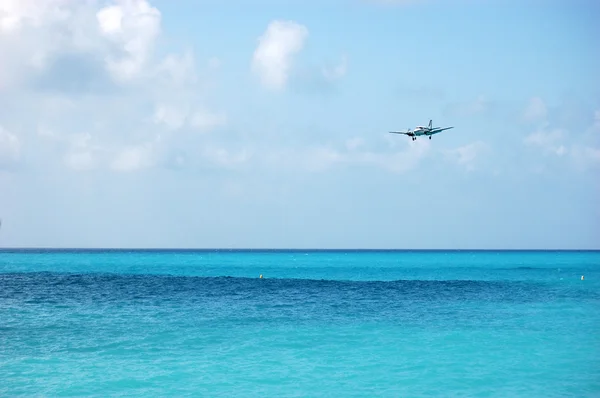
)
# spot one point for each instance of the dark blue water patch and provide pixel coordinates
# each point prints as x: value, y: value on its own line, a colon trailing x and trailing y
x: 40, y: 306
x: 67, y: 289
x: 543, y: 269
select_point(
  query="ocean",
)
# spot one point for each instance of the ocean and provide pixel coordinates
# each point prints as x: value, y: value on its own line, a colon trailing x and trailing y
x: 317, y: 324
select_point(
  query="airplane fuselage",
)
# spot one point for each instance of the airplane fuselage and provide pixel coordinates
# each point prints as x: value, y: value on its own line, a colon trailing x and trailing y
x: 419, y: 131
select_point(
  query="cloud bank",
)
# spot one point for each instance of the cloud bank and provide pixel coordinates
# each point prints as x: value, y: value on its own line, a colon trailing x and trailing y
x: 99, y: 93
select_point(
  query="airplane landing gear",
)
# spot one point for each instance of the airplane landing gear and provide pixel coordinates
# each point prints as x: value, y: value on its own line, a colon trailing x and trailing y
x: 429, y: 137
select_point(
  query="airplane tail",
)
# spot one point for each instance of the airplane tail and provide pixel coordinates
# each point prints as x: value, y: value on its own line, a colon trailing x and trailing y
x: 430, y: 123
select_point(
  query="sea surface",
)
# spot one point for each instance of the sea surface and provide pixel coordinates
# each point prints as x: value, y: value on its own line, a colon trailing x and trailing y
x: 318, y: 324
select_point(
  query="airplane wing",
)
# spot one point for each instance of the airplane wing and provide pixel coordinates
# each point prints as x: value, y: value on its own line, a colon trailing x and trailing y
x: 409, y: 133
x: 435, y: 131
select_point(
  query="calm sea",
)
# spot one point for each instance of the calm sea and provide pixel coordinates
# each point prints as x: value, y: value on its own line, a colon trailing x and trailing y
x: 319, y: 323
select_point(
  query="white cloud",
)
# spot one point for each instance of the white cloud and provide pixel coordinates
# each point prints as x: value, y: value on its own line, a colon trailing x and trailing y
x: 580, y: 154
x: 468, y: 155
x: 585, y: 157
x: 15, y: 14
x: 48, y: 46
x: 226, y: 158
x: 321, y: 158
x: 35, y: 34
x: 83, y: 152
x: 354, y: 143
x: 273, y: 57
x: 548, y: 141
x: 134, y: 158
x: 80, y: 161
x: 396, y: 162
x: 577, y: 147
x: 535, y: 110
x: 200, y: 118
x: 205, y: 120
x: 10, y: 148
x: 181, y: 69
x: 133, y: 25
x: 171, y: 116
x: 80, y: 151
x: 27, y: 37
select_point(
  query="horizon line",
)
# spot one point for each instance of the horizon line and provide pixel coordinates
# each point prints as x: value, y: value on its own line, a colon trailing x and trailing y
x: 248, y: 249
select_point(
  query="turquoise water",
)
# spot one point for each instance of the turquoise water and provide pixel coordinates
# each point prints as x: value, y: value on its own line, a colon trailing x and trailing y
x: 320, y: 323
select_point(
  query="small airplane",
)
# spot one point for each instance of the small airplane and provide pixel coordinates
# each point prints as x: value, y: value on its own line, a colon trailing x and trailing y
x: 422, y: 130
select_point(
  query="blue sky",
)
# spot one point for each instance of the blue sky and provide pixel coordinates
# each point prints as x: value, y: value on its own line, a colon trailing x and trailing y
x: 187, y: 123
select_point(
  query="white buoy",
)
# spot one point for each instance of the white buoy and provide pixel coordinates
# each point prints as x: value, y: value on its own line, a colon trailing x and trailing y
x: 582, y: 278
